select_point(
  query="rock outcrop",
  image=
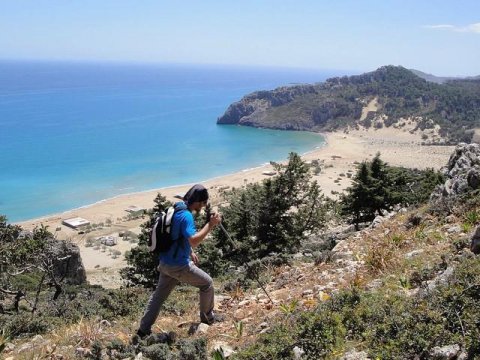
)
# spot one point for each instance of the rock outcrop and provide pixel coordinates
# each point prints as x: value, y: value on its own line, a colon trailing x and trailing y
x: 462, y: 172
x: 475, y: 241
x: 251, y: 109
x: 67, y: 261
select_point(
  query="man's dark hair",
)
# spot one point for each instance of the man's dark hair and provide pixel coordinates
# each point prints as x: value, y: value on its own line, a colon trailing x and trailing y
x: 196, y: 193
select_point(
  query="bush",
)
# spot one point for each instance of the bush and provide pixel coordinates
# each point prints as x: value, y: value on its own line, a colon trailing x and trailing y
x: 389, y: 325
x: 195, y: 349
x: 378, y: 187
x: 157, y: 352
x: 141, y: 263
x: 23, y: 324
x: 269, y: 217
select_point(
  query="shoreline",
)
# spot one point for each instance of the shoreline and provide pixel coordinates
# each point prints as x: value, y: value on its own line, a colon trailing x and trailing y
x: 338, y: 158
x: 358, y: 141
x: 262, y: 167
x: 160, y: 189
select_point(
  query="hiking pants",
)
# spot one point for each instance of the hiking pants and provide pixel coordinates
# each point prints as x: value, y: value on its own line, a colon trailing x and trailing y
x: 170, y: 276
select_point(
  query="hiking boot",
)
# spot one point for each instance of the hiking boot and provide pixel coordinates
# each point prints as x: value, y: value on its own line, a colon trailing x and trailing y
x: 139, y: 336
x: 165, y: 338
x: 214, y: 318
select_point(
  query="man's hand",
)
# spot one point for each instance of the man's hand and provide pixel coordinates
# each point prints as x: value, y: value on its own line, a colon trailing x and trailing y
x: 196, y: 239
x: 194, y: 258
x: 215, y: 219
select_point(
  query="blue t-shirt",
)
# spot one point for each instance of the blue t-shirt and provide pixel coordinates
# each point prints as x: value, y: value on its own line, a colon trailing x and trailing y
x: 183, y: 228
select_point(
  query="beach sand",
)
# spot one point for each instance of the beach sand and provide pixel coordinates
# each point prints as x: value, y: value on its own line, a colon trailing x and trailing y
x: 340, y: 156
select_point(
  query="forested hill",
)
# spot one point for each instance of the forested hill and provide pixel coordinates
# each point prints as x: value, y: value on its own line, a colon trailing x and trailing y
x: 454, y: 106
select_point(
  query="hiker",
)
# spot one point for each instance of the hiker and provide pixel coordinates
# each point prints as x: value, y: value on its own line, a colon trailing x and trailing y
x: 179, y: 263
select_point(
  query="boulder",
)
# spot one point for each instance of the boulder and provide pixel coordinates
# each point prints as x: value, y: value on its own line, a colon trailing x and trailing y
x: 473, y: 177
x: 445, y: 352
x: 441, y: 279
x: 462, y: 172
x: 297, y: 352
x: 197, y: 329
x: 68, y: 262
x: 224, y: 348
x: 475, y: 244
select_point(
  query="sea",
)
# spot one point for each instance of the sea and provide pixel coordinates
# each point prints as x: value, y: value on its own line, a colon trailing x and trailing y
x: 72, y: 134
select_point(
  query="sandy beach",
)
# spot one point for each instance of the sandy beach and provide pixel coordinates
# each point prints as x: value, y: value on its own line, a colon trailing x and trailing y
x: 339, y: 157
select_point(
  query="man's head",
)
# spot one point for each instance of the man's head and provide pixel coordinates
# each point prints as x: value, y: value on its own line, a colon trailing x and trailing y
x: 196, y: 198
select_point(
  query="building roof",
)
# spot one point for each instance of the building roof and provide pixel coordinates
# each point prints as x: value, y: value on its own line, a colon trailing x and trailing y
x: 76, y: 222
x: 134, y: 209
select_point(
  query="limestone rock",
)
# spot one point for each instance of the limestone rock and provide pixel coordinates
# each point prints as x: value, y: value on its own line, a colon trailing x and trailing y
x: 9, y: 347
x: 475, y: 244
x: 377, y: 221
x: 308, y: 292
x: 196, y: 329
x: 297, y: 353
x: 445, y: 352
x: 454, y: 230
x: 68, y: 262
x: 462, y: 172
x: 222, y: 346
x: 441, y: 279
x: 414, y: 253
x: 244, y: 303
x: 473, y: 177
x: 105, y: 323
x: 262, y: 326
x: 355, y: 355
x: 83, y: 351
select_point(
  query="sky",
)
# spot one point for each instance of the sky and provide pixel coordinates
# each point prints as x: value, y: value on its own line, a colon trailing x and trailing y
x: 437, y: 36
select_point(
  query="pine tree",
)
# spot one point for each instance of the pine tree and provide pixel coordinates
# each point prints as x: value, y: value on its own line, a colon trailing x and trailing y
x: 381, y: 187
x: 141, y: 263
x: 271, y: 217
x: 359, y: 201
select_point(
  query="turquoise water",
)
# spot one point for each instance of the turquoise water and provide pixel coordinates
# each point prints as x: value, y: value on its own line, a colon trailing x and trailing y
x: 73, y: 134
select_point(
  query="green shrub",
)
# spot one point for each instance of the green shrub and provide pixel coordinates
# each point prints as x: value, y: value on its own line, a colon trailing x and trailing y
x: 195, y: 349
x: 272, y: 217
x: 157, y: 352
x: 24, y: 324
x: 388, y: 325
x: 141, y: 263
x: 321, y: 334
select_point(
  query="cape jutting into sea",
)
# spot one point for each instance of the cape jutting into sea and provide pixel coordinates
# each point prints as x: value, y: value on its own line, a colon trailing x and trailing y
x: 73, y: 134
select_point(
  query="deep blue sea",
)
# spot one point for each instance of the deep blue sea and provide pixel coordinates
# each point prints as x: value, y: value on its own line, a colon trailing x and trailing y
x: 72, y: 134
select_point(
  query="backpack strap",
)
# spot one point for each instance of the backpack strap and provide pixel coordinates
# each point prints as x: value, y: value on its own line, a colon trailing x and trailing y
x: 180, y: 241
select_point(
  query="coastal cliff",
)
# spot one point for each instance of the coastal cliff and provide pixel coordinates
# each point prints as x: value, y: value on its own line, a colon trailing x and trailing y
x: 253, y: 109
x: 400, y: 94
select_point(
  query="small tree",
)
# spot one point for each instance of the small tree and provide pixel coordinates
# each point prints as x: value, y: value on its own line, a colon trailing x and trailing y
x: 142, y: 264
x: 269, y: 217
x: 358, y: 200
x: 28, y: 256
x: 381, y: 185
x: 378, y: 187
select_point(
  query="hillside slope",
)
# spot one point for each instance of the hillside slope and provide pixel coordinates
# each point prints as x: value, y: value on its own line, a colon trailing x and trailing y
x: 338, y: 102
x: 407, y: 286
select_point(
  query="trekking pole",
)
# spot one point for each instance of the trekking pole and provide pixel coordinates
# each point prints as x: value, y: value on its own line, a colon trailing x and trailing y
x: 246, y: 264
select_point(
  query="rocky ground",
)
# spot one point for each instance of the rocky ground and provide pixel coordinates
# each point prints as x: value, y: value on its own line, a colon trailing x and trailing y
x: 389, y: 250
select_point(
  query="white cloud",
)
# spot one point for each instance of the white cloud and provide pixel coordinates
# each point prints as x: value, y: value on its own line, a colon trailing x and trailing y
x: 475, y: 28
x: 472, y: 28
x: 444, y: 26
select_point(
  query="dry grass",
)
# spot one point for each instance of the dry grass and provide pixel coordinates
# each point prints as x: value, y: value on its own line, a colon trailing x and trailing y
x: 380, y: 254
